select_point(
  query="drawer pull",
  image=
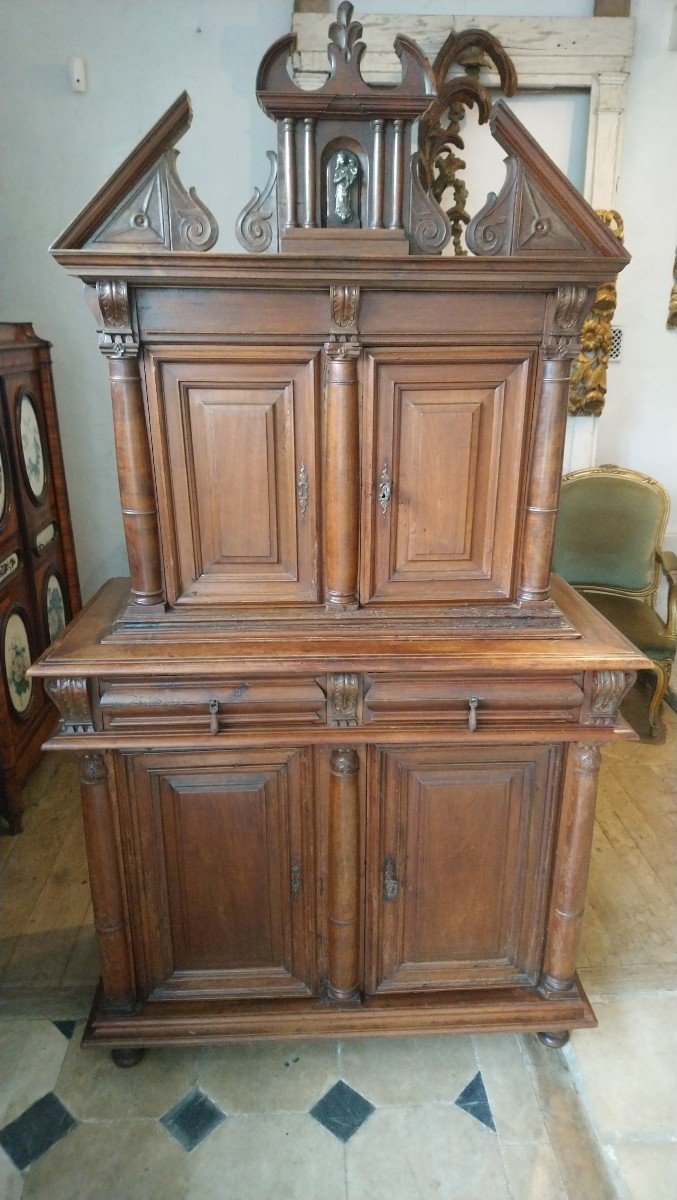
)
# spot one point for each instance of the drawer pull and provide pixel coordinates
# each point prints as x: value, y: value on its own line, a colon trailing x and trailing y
x: 390, y: 885
x: 472, y: 714
x: 213, y: 716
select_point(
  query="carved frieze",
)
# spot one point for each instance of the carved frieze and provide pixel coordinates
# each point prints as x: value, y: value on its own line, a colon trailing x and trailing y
x: 71, y: 697
x: 344, y: 697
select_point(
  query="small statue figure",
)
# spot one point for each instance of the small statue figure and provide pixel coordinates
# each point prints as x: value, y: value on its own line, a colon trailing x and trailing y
x: 346, y: 170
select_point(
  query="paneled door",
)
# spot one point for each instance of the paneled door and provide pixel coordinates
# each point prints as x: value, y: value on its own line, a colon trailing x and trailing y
x: 238, y: 488
x: 445, y: 435
x: 218, y: 851
x: 459, y: 847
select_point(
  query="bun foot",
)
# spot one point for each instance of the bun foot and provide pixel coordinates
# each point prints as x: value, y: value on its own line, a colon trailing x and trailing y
x: 127, y: 1058
x: 554, y: 1041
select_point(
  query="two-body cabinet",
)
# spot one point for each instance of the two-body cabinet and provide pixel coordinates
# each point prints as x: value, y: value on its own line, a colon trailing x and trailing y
x: 340, y: 732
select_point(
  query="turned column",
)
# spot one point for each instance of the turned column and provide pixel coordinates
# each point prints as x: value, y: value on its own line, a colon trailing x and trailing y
x: 106, y: 884
x: 547, y: 450
x: 343, y: 894
x: 342, y: 474
x: 135, y: 470
x: 572, y: 862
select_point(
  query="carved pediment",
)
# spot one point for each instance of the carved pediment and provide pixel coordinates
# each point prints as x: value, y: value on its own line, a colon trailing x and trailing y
x: 538, y: 212
x: 144, y: 205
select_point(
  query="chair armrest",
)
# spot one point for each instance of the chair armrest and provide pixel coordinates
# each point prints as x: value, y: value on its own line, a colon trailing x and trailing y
x: 668, y: 561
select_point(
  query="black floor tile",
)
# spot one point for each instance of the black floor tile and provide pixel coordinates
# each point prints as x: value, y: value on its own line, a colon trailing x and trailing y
x: 473, y: 1100
x: 342, y: 1110
x: 67, y: 1028
x: 192, y: 1119
x: 36, y: 1130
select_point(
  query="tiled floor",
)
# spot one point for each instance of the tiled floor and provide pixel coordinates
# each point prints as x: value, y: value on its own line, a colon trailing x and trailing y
x: 495, y: 1117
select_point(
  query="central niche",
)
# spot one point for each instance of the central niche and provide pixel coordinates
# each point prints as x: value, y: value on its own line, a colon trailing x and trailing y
x: 345, y: 184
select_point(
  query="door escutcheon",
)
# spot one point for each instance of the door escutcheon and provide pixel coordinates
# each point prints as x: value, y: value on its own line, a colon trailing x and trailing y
x: 390, y: 885
x: 385, y: 489
x: 472, y: 714
x: 213, y: 716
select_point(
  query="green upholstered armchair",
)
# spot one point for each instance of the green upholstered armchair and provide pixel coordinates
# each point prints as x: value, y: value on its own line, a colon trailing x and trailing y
x: 608, y: 545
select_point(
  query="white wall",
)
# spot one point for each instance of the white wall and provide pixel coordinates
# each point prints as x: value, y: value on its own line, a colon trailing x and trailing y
x: 57, y: 147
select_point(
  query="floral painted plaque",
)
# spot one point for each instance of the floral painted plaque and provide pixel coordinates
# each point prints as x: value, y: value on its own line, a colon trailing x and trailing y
x: 31, y: 446
x: 17, y: 661
x: 56, y: 606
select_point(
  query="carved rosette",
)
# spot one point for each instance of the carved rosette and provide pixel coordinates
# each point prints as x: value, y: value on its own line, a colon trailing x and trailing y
x: 607, y: 692
x: 343, y: 698
x: 71, y: 697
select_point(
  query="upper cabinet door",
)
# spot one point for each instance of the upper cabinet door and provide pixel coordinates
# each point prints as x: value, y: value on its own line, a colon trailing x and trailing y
x: 235, y: 439
x: 445, y: 434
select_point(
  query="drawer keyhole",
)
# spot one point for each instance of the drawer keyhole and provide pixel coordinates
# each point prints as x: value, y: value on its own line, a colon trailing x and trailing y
x: 472, y: 714
x: 213, y: 716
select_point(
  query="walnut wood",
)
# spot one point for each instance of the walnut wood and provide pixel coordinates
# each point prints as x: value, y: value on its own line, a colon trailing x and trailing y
x: 110, y: 918
x: 135, y: 475
x: 344, y: 875
x: 290, y: 171
x: 341, y: 475
x: 544, y: 482
x: 309, y: 173
x: 398, y: 173
x: 378, y: 173
x: 571, y: 867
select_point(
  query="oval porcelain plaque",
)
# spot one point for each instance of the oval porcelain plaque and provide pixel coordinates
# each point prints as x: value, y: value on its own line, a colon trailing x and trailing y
x: 31, y: 446
x: 55, y: 605
x: 17, y: 661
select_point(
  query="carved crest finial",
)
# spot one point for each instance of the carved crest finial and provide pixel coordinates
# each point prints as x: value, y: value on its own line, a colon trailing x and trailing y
x: 344, y: 35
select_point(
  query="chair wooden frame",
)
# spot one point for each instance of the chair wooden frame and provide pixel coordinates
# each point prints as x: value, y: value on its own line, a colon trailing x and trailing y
x: 665, y: 564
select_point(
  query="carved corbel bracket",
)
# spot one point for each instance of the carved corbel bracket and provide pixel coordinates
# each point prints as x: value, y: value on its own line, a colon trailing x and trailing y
x: 344, y: 699
x: 605, y: 691
x: 344, y: 310
x: 110, y: 305
x: 71, y: 697
x: 562, y: 340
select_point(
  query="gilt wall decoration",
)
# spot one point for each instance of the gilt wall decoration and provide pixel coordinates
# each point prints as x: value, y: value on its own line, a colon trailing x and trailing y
x: 587, y: 389
x: 672, y: 305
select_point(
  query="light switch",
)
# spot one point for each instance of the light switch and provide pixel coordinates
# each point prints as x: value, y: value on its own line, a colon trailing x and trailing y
x: 78, y: 74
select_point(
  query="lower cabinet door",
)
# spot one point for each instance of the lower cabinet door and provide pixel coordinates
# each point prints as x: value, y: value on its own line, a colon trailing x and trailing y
x: 459, y: 853
x: 218, y: 851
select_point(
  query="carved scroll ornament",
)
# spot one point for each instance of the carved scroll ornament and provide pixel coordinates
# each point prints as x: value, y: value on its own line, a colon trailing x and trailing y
x: 439, y: 128
x: 256, y: 223
x: 608, y: 690
x: 587, y: 390
x: 343, y: 696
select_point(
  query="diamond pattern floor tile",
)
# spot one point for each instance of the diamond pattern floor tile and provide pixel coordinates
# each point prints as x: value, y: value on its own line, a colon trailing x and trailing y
x: 67, y: 1028
x: 193, y: 1119
x: 36, y: 1130
x: 473, y: 1100
x: 342, y: 1111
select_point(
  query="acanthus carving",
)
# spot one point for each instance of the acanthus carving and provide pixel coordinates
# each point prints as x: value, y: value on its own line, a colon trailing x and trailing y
x: 345, y: 301
x: 116, y: 336
x: 608, y: 690
x: 587, y: 389
x: 255, y: 225
x: 71, y: 697
x: 343, y: 697
x: 563, y: 340
x: 92, y: 768
x: 439, y: 128
x: 160, y: 212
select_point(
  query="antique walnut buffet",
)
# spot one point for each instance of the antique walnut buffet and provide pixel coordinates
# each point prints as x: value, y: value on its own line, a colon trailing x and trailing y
x: 340, y: 736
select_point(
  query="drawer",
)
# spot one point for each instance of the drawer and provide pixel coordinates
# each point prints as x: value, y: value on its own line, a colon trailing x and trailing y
x: 174, y: 706
x: 496, y: 701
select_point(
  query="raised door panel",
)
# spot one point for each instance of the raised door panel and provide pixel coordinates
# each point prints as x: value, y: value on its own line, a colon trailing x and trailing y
x: 445, y: 436
x: 220, y: 858
x: 459, y: 849
x: 236, y: 440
